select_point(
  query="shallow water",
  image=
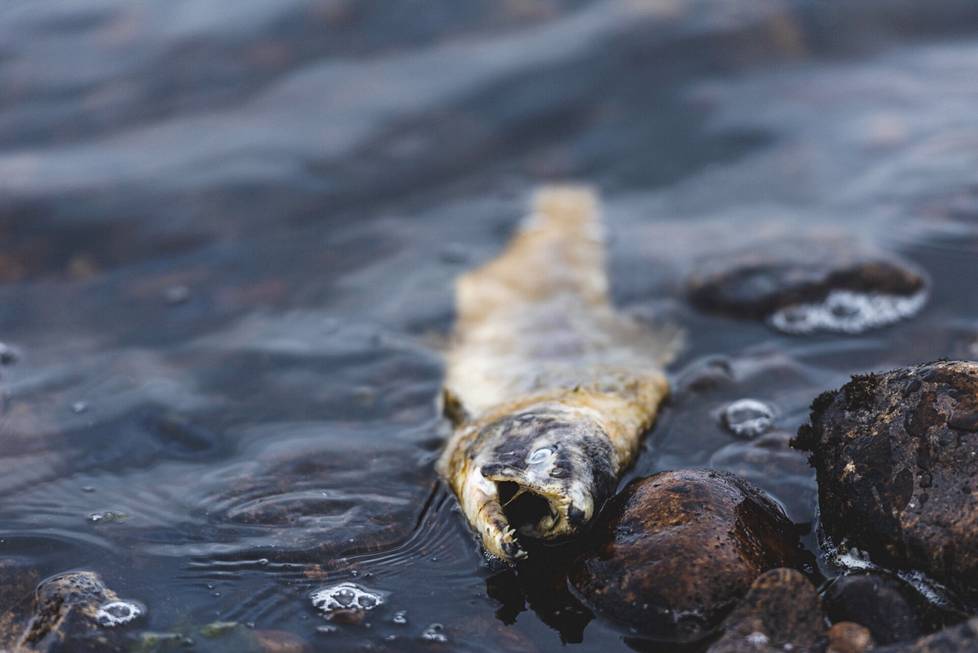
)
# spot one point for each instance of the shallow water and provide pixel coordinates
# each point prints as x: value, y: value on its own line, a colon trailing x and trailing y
x: 230, y: 235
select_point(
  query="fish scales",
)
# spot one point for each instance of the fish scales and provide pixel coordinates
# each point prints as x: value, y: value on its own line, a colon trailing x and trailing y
x: 550, y: 387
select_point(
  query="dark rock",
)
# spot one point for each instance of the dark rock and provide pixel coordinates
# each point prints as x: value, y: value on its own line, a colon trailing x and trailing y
x: 75, y: 612
x: 672, y: 553
x: 781, y: 612
x: 962, y: 638
x: 17, y: 582
x: 889, y: 607
x: 755, y: 286
x: 847, y: 637
x: 896, y: 457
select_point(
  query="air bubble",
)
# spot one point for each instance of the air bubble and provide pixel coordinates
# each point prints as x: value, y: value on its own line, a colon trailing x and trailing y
x: 346, y: 596
x: 400, y: 617
x: 116, y: 613
x: 79, y: 407
x: 434, y: 633
x: 748, y: 418
x: 844, y: 311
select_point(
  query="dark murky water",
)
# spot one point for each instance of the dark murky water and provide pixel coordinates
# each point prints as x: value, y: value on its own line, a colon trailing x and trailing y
x: 230, y: 233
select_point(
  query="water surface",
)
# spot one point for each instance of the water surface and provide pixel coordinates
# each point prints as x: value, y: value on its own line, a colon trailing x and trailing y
x: 230, y: 232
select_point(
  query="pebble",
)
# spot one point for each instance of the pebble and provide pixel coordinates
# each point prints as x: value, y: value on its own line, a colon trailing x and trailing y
x: 781, y: 612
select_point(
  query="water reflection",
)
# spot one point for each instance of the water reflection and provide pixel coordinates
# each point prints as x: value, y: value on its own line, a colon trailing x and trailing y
x: 230, y: 236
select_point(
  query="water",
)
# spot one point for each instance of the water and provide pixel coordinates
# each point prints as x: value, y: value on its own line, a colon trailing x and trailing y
x: 230, y: 235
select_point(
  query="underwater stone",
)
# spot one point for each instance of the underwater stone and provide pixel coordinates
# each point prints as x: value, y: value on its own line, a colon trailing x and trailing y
x: 781, y: 612
x: 896, y: 458
x: 672, y: 553
x: 962, y: 638
x: 849, y: 637
x: 890, y: 608
x: 76, y: 611
x: 852, y: 288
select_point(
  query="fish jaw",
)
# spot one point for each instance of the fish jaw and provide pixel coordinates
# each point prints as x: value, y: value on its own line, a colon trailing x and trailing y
x: 541, y: 473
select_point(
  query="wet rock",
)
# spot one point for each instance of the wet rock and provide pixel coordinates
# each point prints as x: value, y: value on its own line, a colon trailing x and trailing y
x: 672, y: 553
x: 847, y: 637
x: 760, y: 286
x: 77, y: 612
x: 890, y: 608
x: 781, y: 612
x: 962, y: 638
x: 17, y: 582
x: 896, y: 458
x: 280, y: 641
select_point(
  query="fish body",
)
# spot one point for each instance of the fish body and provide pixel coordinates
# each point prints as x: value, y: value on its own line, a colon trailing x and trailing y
x: 550, y: 388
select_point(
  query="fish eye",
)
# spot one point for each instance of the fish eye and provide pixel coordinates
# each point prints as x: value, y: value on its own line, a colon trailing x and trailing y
x: 539, y: 456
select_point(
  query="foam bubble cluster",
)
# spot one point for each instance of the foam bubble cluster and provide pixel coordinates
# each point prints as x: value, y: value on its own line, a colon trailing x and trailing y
x: 117, y: 613
x: 346, y: 596
x: 434, y: 633
x: 748, y: 418
x: 845, y: 311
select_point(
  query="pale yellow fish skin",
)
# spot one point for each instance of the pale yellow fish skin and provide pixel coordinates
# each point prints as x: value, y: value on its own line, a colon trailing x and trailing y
x: 537, y: 334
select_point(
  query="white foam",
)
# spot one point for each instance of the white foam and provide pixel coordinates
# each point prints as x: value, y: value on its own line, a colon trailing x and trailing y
x: 748, y: 418
x: 346, y: 596
x: 845, y: 311
x: 434, y: 633
x: 116, y: 613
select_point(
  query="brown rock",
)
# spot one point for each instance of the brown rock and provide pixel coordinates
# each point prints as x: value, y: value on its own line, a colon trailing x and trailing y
x: 672, y: 553
x: 896, y: 457
x: 848, y: 637
x: 755, y: 286
x: 781, y: 612
x: 280, y: 641
x: 70, y: 614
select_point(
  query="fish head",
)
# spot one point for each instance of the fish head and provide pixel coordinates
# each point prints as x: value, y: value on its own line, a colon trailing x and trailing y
x: 541, y: 473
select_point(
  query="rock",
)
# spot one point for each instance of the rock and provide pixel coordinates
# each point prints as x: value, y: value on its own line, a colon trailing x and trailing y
x: 896, y: 458
x: 17, y: 582
x: 847, y: 637
x: 781, y: 612
x: 752, y: 285
x: 962, y: 638
x: 805, y: 287
x: 75, y: 611
x: 280, y: 641
x: 672, y: 553
x: 889, y: 607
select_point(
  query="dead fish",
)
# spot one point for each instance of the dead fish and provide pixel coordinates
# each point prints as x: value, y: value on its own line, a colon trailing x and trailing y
x: 550, y: 388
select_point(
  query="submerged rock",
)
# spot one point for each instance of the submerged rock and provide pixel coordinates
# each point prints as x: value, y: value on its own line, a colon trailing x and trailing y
x: 672, y: 553
x: 781, y: 612
x: 896, y: 457
x: 805, y: 288
x: 962, y: 638
x: 848, y: 637
x: 890, y: 608
x: 77, y: 612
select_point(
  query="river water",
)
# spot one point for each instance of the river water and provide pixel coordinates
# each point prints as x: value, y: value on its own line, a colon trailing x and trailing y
x: 229, y: 234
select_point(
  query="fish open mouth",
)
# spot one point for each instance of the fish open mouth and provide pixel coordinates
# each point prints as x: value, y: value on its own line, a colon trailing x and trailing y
x: 529, y: 513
